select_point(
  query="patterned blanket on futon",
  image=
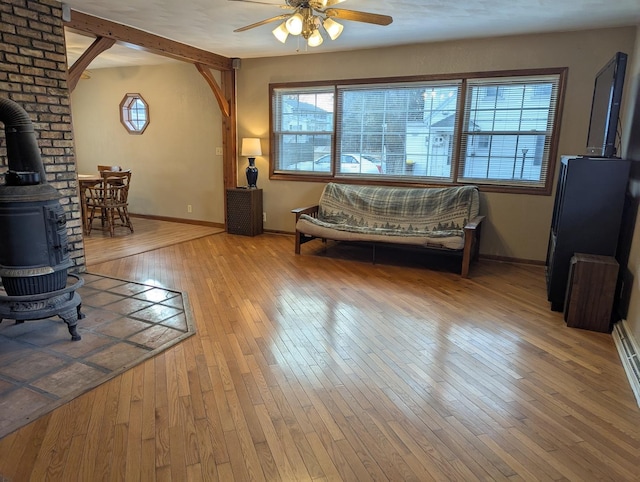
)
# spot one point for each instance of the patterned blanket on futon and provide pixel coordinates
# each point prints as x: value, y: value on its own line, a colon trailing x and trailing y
x: 397, y: 211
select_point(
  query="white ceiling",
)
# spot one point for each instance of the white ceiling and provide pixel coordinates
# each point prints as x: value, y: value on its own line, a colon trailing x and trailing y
x: 209, y: 24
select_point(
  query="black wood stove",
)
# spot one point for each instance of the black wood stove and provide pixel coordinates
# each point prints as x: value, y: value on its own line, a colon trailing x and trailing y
x: 34, y: 256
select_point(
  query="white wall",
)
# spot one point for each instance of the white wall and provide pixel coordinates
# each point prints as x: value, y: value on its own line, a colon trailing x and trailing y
x: 174, y: 162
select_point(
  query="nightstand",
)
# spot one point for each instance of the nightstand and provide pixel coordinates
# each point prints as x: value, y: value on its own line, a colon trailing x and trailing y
x: 244, y: 211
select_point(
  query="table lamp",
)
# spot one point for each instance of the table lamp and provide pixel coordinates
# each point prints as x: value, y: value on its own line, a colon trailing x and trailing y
x: 251, y: 148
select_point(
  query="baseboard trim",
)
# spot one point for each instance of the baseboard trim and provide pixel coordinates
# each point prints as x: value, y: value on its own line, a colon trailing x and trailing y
x: 507, y: 259
x: 629, y: 353
x: 178, y: 220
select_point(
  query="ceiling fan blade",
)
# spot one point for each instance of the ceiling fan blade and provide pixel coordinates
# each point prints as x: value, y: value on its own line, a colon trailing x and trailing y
x: 359, y: 16
x: 262, y: 22
x: 280, y: 6
x: 261, y: 3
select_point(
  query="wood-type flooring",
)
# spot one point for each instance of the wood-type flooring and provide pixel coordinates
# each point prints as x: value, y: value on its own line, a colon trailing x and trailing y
x: 320, y: 367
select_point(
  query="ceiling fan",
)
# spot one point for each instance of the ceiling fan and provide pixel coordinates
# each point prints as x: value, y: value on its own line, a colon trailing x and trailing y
x: 307, y: 16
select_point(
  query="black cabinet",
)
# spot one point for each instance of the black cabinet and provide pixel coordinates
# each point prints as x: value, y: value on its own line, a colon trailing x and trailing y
x: 244, y: 211
x: 586, y: 219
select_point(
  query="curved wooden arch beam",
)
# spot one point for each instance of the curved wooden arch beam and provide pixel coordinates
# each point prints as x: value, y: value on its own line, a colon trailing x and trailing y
x: 217, y: 91
x: 227, y: 107
x: 96, y: 48
x: 138, y: 39
x: 203, y: 60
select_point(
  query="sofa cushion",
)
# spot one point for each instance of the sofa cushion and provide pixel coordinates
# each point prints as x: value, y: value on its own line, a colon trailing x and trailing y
x: 397, y: 211
x: 319, y: 230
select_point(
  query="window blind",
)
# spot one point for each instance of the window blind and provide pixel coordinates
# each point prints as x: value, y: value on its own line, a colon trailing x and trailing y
x: 507, y: 131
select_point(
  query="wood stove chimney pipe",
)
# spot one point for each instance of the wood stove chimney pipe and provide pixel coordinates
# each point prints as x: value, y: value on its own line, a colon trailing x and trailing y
x: 23, y: 153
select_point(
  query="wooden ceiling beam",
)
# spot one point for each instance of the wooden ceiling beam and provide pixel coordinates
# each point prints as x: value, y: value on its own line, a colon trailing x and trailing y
x: 225, y: 94
x: 217, y: 91
x: 229, y: 131
x: 138, y: 39
x: 96, y: 48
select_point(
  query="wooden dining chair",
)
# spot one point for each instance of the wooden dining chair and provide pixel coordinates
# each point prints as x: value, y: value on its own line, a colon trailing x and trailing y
x: 108, y: 199
x: 109, y: 168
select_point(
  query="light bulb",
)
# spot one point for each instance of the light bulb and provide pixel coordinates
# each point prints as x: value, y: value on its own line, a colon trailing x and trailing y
x: 281, y: 32
x: 294, y: 24
x: 333, y: 28
x: 315, y: 39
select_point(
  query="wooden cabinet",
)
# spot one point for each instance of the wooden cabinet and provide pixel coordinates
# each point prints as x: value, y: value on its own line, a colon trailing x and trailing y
x: 590, y: 292
x: 586, y: 216
x: 244, y: 211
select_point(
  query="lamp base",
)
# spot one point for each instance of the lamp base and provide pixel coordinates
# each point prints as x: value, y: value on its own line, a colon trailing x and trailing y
x: 252, y: 173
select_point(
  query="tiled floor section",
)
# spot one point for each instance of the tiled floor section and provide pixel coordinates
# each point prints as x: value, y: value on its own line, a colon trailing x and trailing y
x: 125, y: 323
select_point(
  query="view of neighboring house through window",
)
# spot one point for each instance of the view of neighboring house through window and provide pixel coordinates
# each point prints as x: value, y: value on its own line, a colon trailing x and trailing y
x: 303, y: 127
x: 134, y: 113
x: 491, y: 131
x: 508, y: 129
x: 392, y: 126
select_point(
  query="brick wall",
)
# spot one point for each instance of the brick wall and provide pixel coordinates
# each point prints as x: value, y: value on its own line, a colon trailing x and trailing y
x: 33, y: 73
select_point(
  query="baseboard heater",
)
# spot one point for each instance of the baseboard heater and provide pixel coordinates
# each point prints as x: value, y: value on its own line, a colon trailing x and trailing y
x: 628, y: 352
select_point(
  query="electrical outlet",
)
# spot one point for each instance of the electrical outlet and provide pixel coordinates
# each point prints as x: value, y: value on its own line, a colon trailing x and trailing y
x: 218, y: 151
x: 189, y: 208
x: 264, y: 217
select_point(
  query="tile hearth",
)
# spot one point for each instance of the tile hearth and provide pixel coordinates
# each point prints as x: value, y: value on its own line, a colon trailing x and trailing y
x: 125, y: 323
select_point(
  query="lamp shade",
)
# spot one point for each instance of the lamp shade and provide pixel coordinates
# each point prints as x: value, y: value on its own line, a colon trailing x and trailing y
x: 294, y: 24
x: 281, y: 32
x: 333, y: 28
x: 251, y: 147
x: 315, y: 39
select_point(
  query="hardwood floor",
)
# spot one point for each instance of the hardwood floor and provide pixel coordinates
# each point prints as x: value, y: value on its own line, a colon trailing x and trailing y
x: 149, y: 234
x: 319, y: 368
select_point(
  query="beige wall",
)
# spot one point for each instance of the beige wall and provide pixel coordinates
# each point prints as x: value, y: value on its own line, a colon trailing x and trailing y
x: 517, y: 225
x: 174, y: 162
x: 631, y: 150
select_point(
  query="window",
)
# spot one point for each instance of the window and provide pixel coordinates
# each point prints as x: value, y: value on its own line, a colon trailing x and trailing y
x: 390, y: 125
x: 134, y: 113
x: 303, y: 130
x: 506, y: 138
x: 498, y: 131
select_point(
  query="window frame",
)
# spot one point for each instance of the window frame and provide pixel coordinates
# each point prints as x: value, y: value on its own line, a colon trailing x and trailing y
x: 125, y: 113
x: 310, y: 88
x: 511, y: 96
x: 457, y: 155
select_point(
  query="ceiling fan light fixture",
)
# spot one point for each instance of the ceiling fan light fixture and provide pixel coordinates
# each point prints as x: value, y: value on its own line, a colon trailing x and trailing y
x: 315, y: 39
x: 308, y: 18
x: 326, y: 3
x: 333, y: 28
x: 294, y: 24
x: 281, y: 32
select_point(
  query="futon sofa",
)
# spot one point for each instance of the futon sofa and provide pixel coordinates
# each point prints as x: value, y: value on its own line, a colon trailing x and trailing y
x: 441, y: 220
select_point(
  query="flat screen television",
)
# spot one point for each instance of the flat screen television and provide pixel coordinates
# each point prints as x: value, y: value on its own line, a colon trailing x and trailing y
x: 605, y: 108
